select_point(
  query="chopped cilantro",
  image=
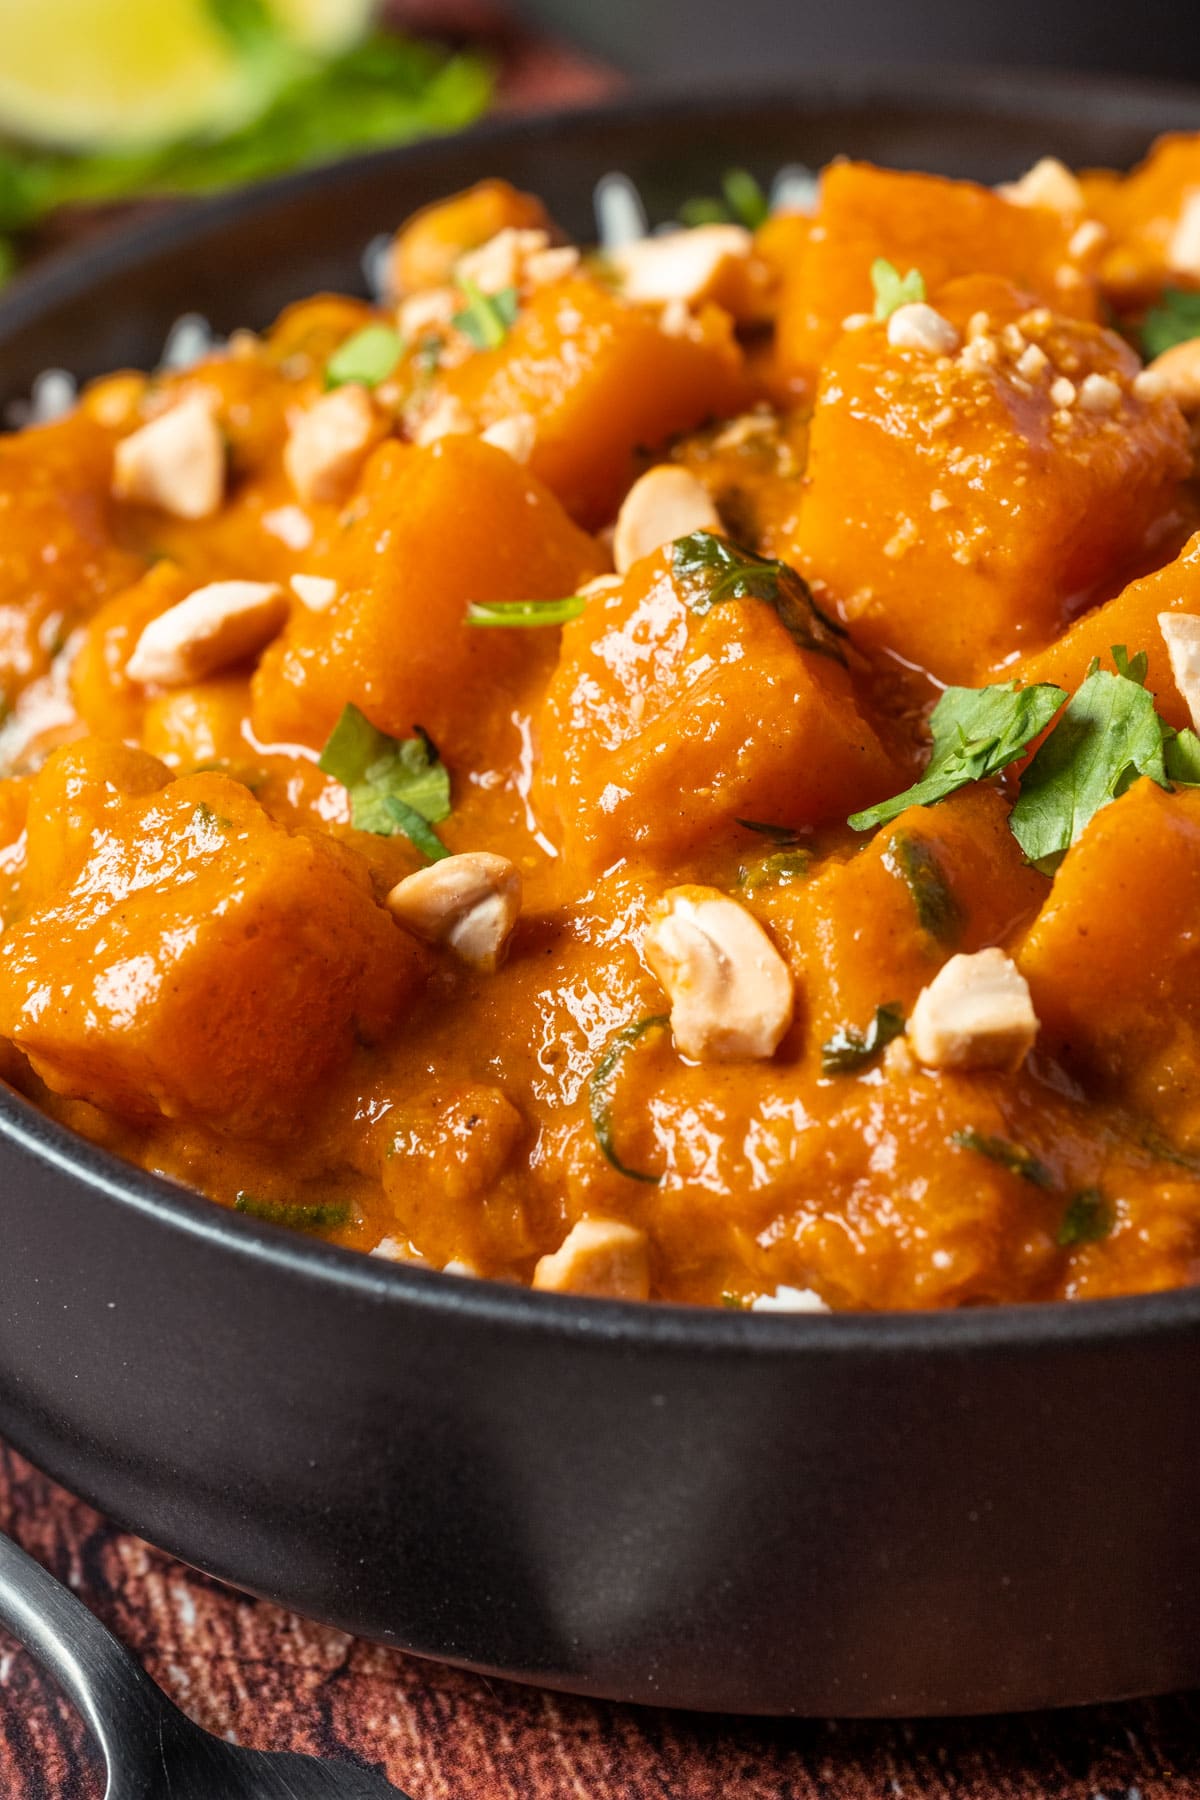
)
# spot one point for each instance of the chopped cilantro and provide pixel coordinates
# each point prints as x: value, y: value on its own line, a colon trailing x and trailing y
x: 1108, y: 736
x: 712, y: 569
x: 781, y: 867
x: 526, y: 612
x: 299, y: 1215
x: 976, y: 733
x: 485, y: 318
x: 1166, y: 1151
x: 850, y: 1049
x: 395, y: 784
x: 1013, y: 1157
x: 742, y: 202
x: 1174, y: 320
x: 369, y: 357
x: 1181, y: 754
x: 601, y: 1086
x: 786, y: 836
x: 915, y: 861
x: 1088, y: 1218
x: 893, y: 289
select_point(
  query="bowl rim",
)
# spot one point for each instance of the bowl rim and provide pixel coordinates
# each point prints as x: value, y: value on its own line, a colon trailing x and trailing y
x: 25, y: 1131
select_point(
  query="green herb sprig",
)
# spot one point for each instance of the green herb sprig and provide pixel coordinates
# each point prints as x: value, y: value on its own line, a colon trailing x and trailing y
x: 320, y: 1216
x: 600, y: 1092
x: 524, y: 613
x: 368, y: 357
x: 741, y: 202
x: 915, y: 861
x: 486, y: 318
x: 1175, y: 319
x: 1013, y: 1157
x: 713, y: 569
x: 977, y: 732
x: 1088, y: 1219
x: 849, y: 1049
x: 892, y: 289
x: 395, y: 784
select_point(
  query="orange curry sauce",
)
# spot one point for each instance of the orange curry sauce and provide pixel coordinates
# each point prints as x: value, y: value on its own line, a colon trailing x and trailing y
x: 208, y: 966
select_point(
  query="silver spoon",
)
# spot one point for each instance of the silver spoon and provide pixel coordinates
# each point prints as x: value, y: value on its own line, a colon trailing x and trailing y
x: 151, y: 1751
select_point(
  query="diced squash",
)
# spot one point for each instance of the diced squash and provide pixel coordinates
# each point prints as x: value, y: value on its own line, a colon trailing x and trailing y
x: 601, y: 382
x: 1154, y: 233
x: 431, y: 530
x: 187, y: 726
x: 197, y: 961
x: 58, y: 556
x: 306, y: 334
x: 664, y: 723
x: 874, y: 930
x: 1130, y: 618
x: 1113, y: 958
x: 428, y: 246
x: 80, y: 791
x: 958, y: 506
x: 944, y: 229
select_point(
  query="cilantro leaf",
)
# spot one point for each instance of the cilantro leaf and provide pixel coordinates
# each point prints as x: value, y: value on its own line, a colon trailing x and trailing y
x: 976, y: 733
x: 369, y: 357
x: 892, y: 289
x: 601, y: 1086
x: 1013, y: 1157
x: 395, y: 784
x: 1181, y: 754
x: 298, y: 1214
x: 1088, y: 1218
x: 712, y: 569
x: 743, y: 203
x: 915, y: 862
x: 526, y: 612
x: 1108, y: 736
x: 850, y: 1049
x: 780, y: 867
x: 486, y: 317
x: 1174, y: 320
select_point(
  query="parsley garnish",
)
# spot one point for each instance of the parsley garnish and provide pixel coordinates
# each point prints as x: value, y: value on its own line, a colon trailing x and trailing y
x: 893, y: 289
x: 600, y: 1092
x: 395, y: 784
x: 485, y: 318
x: 914, y: 860
x: 1174, y: 320
x: 976, y: 733
x: 299, y: 1216
x: 526, y: 612
x: 368, y: 357
x: 1108, y: 736
x: 743, y: 203
x: 786, y: 836
x: 783, y: 866
x: 1087, y: 1219
x: 713, y: 569
x: 850, y: 1049
x: 1013, y: 1157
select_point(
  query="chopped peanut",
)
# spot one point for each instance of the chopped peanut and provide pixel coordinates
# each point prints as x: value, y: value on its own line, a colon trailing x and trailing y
x: 663, y: 504
x: 789, y: 1299
x: 470, y: 903
x: 215, y: 627
x: 317, y: 592
x: 919, y: 327
x: 176, y: 463
x: 1181, y: 635
x: 1183, y: 252
x: 499, y: 263
x: 680, y: 265
x: 976, y: 1013
x: 449, y: 418
x: 730, y: 990
x: 1048, y: 183
x: 598, y: 1256
x: 328, y: 442
x: 516, y: 435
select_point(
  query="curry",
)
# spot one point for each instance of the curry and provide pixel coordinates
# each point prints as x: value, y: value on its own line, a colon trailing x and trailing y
x: 669, y: 772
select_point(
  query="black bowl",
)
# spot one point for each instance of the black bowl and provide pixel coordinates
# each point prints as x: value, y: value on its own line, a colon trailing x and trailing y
x: 861, y: 1515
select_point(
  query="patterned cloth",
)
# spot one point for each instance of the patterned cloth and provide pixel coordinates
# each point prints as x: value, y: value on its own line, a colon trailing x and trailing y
x: 261, y: 1676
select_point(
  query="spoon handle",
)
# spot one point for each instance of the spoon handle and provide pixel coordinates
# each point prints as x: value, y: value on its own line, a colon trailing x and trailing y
x: 121, y: 1706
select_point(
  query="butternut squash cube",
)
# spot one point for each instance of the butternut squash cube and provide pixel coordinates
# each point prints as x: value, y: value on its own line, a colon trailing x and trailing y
x: 203, y: 964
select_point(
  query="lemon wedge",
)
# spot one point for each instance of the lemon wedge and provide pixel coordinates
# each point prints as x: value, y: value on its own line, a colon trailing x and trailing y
x: 86, y: 73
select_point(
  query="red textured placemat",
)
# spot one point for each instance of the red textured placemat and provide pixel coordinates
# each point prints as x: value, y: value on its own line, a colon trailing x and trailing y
x: 265, y: 1677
